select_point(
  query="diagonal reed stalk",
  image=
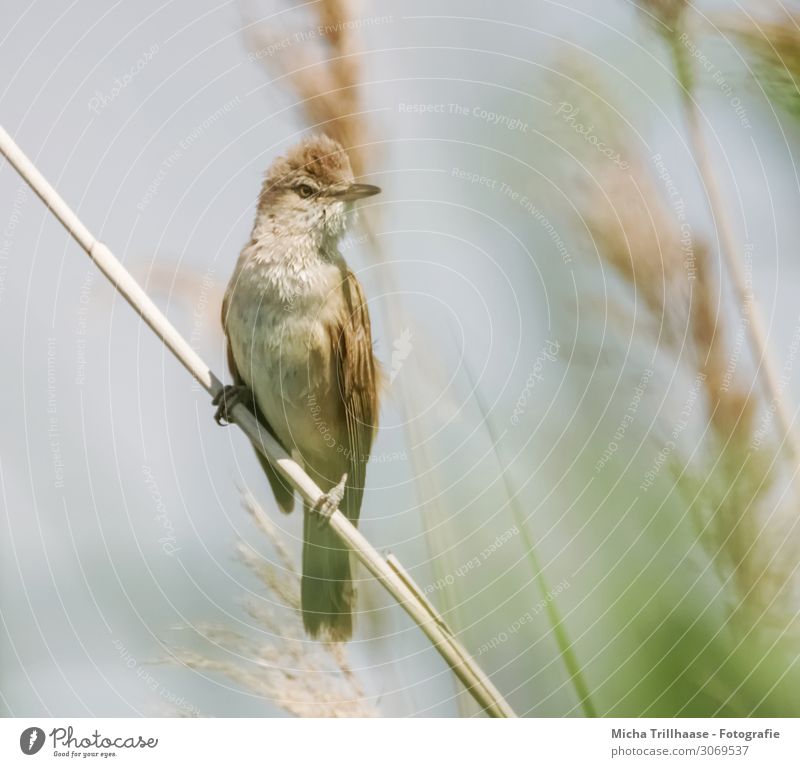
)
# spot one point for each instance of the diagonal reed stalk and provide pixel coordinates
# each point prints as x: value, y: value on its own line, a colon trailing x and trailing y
x: 390, y: 574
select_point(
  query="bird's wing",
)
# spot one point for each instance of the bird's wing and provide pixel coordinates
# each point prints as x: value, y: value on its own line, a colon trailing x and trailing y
x: 283, y: 491
x: 359, y: 382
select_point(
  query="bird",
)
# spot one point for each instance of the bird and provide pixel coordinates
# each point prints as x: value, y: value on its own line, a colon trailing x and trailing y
x: 300, y: 352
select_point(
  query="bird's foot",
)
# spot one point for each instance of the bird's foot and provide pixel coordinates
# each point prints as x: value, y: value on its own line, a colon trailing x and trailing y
x: 329, y: 502
x: 227, y: 398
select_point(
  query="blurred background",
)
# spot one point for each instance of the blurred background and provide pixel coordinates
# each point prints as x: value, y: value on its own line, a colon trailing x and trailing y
x: 583, y: 279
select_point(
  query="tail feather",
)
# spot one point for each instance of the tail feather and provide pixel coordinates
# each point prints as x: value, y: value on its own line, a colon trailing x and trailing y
x: 327, y: 592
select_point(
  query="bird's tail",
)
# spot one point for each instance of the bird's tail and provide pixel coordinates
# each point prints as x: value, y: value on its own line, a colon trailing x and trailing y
x: 327, y: 593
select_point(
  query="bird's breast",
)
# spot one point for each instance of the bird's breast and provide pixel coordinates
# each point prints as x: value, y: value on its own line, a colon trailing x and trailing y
x: 281, y: 345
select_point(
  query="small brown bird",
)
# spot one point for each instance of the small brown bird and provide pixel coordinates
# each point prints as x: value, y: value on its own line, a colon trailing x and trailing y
x: 300, y: 353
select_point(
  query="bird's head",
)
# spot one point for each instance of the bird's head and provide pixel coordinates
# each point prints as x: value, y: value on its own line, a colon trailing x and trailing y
x: 309, y: 191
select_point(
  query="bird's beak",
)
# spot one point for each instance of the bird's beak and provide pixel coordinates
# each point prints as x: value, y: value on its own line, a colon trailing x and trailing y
x: 356, y: 192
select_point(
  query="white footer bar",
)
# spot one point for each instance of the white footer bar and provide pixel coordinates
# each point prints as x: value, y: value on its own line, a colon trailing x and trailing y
x: 406, y: 742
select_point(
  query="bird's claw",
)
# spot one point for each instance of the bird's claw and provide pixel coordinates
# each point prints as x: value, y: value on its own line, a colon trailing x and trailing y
x: 329, y: 502
x: 226, y: 399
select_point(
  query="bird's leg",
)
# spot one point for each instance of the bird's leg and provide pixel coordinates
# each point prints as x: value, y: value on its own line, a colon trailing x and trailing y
x: 228, y: 397
x: 329, y: 502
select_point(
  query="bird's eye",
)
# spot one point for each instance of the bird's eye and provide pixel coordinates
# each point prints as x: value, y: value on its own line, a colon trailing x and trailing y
x: 304, y: 190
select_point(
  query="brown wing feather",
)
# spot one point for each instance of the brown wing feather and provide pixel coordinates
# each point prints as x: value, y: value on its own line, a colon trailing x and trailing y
x: 358, y: 379
x: 283, y: 491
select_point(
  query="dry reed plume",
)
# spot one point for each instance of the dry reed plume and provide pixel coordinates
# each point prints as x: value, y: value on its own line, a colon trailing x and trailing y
x: 279, y: 664
x: 730, y: 488
x: 324, y: 74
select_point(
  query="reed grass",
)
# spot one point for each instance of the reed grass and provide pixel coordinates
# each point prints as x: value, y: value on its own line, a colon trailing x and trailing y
x: 731, y: 490
x: 772, y: 44
x: 278, y: 663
